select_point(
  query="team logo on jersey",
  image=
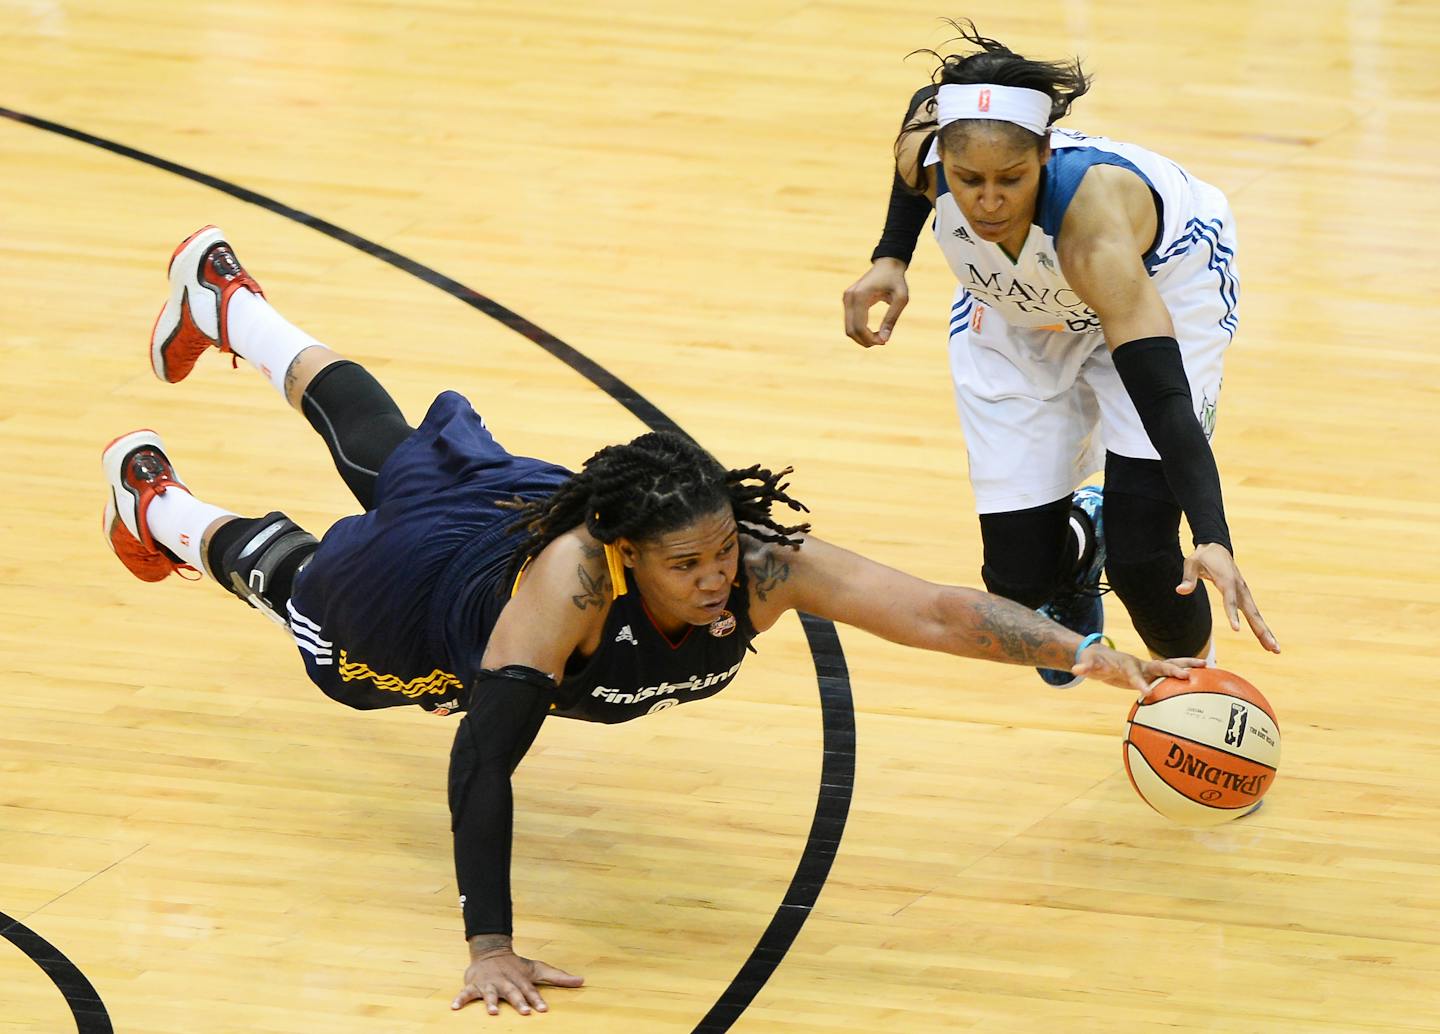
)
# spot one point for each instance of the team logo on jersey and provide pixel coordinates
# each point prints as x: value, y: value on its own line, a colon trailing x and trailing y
x: 666, y: 690
x: 964, y: 235
x: 1045, y: 261
x: 626, y: 636
x: 723, y: 625
x: 1207, y: 415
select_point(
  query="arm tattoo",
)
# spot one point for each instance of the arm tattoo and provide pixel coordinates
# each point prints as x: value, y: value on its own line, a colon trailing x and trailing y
x: 290, y: 378
x: 593, y: 589
x: 1005, y: 630
x: 769, y: 573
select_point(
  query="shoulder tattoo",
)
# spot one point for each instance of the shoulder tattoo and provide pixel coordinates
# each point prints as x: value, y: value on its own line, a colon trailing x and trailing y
x: 592, y: 589
x: 768, y: 573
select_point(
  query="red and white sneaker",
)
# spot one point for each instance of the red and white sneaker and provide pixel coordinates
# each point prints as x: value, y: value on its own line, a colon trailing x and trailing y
x: 204, y: 274
x: 138, y: 470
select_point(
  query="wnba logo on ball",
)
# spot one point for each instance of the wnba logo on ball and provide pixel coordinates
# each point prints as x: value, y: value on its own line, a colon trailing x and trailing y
x: 1235, y: 731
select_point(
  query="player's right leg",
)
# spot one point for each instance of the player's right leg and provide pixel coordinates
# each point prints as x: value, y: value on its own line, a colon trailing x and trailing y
x: 215, y: 303
x: 157, y: 527
x: 1028, y: 436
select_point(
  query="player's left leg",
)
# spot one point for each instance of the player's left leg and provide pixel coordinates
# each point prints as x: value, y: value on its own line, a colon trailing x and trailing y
x: 1142, y: 515
x: 1146, y: 562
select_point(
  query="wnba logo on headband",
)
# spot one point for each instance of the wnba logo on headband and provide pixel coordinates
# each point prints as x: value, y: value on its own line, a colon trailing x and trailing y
x: 1029, y: 109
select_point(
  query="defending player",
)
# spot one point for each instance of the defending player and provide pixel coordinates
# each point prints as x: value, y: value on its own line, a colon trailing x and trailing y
x: 1097, y: 287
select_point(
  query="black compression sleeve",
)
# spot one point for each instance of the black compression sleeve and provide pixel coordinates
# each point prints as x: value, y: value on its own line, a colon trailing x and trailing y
x: 1154, y: 378
x: 506, y: 709
x: 906, y: 216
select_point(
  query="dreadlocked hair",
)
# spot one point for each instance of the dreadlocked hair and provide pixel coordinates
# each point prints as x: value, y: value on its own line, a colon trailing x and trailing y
x: 994, y: 63
x: 658, y: 483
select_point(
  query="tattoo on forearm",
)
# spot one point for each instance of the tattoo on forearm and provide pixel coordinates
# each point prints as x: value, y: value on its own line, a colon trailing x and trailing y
x: 1005, y: 630
x: 766, y: 575
x: 592, y: 589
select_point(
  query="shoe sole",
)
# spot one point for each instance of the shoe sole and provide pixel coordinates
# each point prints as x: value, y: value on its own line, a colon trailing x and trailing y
x: 199, y: 242
x: 112, y: 460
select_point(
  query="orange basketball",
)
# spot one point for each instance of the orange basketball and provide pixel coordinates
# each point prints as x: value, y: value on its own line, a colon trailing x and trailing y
x: 1202, y: 751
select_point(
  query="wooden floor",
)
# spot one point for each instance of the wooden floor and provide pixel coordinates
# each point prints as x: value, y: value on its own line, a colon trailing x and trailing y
x: 682, y: 192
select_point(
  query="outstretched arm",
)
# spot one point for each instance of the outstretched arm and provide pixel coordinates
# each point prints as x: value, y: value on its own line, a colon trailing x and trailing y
x: 843, y: 586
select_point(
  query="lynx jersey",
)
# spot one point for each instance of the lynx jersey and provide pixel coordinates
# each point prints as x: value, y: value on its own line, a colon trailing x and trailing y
x: 1034, y: 379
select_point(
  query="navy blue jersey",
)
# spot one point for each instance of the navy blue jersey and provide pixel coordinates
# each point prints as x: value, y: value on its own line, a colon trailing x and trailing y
x: 639, y: 670
x: 398, y: 603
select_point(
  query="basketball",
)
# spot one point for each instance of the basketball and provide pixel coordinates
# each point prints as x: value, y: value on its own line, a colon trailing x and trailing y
x: 1202, y: 751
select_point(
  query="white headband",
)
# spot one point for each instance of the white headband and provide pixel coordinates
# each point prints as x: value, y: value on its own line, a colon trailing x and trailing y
x: 1028, y: 109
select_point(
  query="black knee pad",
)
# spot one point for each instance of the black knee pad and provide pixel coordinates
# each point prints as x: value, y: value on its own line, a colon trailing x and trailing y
x: 359, y: 421
x: 1144, y: 565
x: 1028, y: 553
x: 260, y: 565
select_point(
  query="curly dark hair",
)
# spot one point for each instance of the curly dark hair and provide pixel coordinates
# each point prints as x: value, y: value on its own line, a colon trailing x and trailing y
x: 994, y: 63
x: 657, y: 483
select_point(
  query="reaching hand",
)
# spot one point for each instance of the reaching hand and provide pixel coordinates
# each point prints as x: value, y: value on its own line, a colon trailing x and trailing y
x: 883, y: 282
x: 496, y: 972
x: 1127, y: 672
x: 1214, y: 563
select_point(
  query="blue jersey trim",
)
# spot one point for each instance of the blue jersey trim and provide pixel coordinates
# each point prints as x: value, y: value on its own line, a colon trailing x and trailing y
x: 960, y: 313
x: 1221, y: 262
x: 1061, y: 177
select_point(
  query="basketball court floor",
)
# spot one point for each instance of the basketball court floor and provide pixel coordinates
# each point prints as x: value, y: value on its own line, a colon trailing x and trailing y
x: 588, y: 216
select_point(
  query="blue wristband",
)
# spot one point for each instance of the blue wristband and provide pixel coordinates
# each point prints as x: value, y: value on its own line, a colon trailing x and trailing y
x: 1090, y: 640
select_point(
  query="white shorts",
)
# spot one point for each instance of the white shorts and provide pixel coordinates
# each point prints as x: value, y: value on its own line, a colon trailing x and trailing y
x: 1031, y: 401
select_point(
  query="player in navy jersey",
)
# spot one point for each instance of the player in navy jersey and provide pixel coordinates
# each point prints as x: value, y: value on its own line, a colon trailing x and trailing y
x: 1097, y: 295
x: 509, y: 588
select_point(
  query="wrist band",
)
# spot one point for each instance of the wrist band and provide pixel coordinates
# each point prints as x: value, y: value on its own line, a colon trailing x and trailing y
x: 1090, y: 640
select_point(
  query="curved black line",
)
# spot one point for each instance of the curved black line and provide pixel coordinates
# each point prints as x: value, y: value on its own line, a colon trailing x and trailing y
x: 837, y: 772
x: 80, y: 995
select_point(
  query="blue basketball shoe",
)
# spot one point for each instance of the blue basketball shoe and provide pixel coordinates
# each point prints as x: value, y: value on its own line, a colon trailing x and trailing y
x: 1078, y: 606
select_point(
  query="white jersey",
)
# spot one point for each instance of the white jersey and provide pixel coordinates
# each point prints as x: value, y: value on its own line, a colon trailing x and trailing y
x: 1031, y: 291
x: 1033, y: 376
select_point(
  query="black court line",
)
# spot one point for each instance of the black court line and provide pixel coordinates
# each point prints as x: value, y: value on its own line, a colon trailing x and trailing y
x: 80, y: 995
x: 837, y: 773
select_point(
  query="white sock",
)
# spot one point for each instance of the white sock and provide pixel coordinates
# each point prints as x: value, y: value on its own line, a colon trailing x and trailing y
x: 178, y: 521
x: 264, y: 338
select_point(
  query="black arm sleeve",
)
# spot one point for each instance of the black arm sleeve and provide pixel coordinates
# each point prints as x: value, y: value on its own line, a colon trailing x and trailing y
x: 1154, y: 378
x: 908, y: 210
x: 507, y: 707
